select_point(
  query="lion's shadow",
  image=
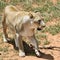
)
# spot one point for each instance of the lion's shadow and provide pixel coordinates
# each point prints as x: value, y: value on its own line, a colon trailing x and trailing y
x: 30, y: 52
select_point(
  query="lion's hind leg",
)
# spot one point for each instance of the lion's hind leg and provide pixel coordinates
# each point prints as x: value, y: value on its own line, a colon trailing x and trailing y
x: 5, y: 36
x: 35, y: 45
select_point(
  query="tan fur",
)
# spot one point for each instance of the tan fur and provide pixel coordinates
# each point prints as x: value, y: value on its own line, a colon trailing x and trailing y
x: 13, y: 18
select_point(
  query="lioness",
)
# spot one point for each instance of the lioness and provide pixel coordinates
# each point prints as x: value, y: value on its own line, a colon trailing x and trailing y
x: 22, y: 24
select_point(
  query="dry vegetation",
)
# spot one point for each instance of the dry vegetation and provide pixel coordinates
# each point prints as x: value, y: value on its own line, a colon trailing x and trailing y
x: 48, y: 38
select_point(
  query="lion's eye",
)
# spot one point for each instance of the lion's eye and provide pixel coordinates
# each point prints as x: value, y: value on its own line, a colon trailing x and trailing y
x: 39, y: 21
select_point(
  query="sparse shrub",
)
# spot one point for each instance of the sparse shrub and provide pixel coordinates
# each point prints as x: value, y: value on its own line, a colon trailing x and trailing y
x: 4, y: 49
x: 46, y: 42
x: 14, y: 2
x: 2, y: 5
x: 52, y: 29
x: 48, y: 10
x: 27, y: 7
x: 42, y: 39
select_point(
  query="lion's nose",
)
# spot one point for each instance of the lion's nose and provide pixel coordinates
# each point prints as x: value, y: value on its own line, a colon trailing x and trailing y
x: 43, y: 25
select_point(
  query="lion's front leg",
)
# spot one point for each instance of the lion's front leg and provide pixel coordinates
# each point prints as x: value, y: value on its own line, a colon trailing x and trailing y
x: 16, y: 39
x: 35, y: 45
x: 19, y: 44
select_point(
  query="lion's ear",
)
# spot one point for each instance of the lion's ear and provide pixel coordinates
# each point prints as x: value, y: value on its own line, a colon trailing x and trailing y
x: 31, y: 16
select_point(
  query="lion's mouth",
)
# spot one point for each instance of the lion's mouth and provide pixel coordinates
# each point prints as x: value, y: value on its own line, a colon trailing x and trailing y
x: 38, y: 28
